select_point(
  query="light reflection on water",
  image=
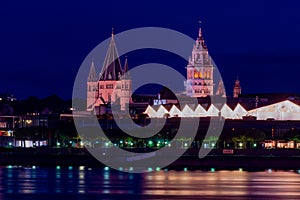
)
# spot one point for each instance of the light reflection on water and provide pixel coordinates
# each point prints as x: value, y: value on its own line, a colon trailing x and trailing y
x: 84, y: 183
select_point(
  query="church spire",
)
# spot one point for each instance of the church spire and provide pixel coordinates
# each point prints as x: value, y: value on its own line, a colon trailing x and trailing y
x: 111, y: 69
x: 92, y: 75
x: 126, y: 69
x: 200, y: 30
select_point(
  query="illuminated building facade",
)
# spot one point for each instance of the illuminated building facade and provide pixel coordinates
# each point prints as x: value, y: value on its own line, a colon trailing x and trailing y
x: 114, y: 84
x: 199, y: 81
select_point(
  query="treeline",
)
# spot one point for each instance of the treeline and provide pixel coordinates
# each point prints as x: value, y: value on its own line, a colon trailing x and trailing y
x: 48, y: 105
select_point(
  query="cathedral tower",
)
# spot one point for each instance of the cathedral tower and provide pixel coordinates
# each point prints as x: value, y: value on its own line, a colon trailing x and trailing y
x: 199, y: 70
x: 114, y: 84
x: 110, y: 75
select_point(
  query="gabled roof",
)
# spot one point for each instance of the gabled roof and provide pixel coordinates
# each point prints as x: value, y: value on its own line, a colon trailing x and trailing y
x: 200, y: 111
x: 161, y: 111
x: 212, y: 111
x: 283, y: 106
x: 227, y: 113
x: 187, y: 111
x: 240, y: 111
x: 174, y: 111
x: 151, y: 112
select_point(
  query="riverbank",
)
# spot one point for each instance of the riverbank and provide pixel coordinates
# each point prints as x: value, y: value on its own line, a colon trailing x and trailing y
x: 249, y: 159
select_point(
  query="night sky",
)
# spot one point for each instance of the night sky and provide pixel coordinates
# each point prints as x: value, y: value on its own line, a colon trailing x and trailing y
x: 43, y: 43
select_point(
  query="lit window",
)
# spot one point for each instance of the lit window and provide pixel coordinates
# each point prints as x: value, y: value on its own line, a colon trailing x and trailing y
x: 195, y: 74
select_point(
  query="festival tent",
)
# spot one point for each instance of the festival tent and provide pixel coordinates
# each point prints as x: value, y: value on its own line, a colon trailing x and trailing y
x: 227, y: 113
x: 284, y: 110
x: 212, y: 111
x: 187, y: 111
x: 175, y: 112
x: 240, y: 111
x: 151, y: 112
x: 162, y: 111
x: 200, y: 111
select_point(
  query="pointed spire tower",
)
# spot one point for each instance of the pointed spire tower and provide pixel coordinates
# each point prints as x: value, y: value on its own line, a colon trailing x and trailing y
x: 126, y: 87
x: 92, y: 75
x: 92, y: 87
x: 199, y: 70
x: 111, y: 69
x: 126, y: 74
x: 237, y: 89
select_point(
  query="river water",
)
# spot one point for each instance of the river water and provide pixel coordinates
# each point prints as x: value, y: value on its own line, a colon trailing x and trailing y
x: 104, y: 183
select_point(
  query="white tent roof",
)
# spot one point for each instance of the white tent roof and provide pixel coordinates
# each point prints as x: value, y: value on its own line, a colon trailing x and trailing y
x: 200, y: 111
x: 212, y: 111
x: 227, y: 113
x: 284, y: 110
x: 151, y: 112
x: 240, y: 111
x: 175, y: 112
x: 161, y: 111
x: 187, y: 111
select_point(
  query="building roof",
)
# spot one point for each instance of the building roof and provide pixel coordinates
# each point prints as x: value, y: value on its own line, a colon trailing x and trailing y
x: 92, y: 75
x: 111, y: 69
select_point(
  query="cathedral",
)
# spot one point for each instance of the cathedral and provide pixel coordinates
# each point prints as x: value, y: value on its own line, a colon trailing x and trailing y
x: 113, y: 84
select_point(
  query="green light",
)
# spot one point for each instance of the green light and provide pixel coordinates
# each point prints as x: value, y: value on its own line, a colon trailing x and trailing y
x: 240, y: 169
x: 33, y: 167
x: 106, y: 168
x: 212, y: 169
x: 185, y: 169
x: 70, y: 167
x: 150, y: 169
x: 157, y: 168
x: 254, y: 145
x: 9, y: 166
x: 58, y: 167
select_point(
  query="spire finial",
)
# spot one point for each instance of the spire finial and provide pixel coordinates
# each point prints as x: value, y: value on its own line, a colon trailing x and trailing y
x: 112, y: 32
x: 200, y: 31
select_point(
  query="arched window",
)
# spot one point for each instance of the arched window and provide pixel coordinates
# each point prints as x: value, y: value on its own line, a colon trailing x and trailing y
x: 195, y: 74
x: 200, y: 75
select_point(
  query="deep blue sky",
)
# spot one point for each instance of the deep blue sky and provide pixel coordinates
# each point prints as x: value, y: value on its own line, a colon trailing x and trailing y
x: 43, y: 43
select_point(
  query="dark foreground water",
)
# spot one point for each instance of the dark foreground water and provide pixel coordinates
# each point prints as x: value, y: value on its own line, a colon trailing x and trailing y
x: 103, y: 183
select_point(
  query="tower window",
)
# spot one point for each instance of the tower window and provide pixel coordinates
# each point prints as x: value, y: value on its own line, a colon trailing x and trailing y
x: 195, y: 74
x: 109, y: 86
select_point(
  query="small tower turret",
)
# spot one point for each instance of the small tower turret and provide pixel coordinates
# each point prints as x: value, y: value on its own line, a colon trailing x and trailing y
x: 237, y: 90
x: 126, y: 87
x: 92, y: 87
